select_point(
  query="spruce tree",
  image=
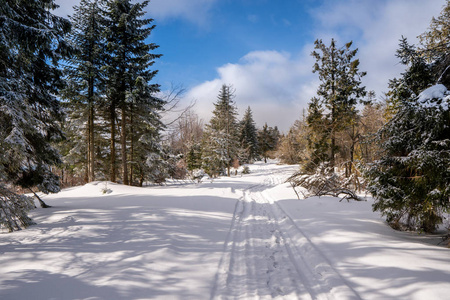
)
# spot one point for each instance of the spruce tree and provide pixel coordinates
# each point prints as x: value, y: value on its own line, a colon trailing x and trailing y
x: 84, y: 71
x: 147, y: 157
x: 32, y: 42
x: 221, y: 141
x: 194, y: 157
x: 318, y: 136
x: 128, y: 63
x: 411, y: 180
x: 340, y: 89
x: 268, y: 139
x: 248, y: 137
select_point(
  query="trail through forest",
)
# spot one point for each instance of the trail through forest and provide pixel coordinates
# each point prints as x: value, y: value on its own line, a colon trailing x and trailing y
x: 240, y: 237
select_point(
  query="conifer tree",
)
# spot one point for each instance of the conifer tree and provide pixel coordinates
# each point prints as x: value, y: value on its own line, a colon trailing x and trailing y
x: 411, y: 180
x: 194, y: 157
x: 268, y: 140
x: 248, y: 137
x: 32, y: 42
x: 147, y: 157
x: 221, y: 139
x: 84, y: 70
x: 340, y: 88
x: 318, y: 136
x: 129, y: 75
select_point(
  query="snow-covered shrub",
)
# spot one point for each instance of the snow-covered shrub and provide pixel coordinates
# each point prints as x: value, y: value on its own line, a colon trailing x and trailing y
x: 14, y: 209
x: 197, y: 175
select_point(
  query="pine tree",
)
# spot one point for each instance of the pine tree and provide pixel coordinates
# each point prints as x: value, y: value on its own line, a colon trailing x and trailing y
x: 417, y: 78
x: 248, y: 137
x: 268, y: 139
x: 128, y: 72
x: 147, y: 156
x: 340, y: 88
x: 194, y: 157
x: 411, y: 180
x: 318, y: 136
x: 221, y: 142
x: 84, y: 70
x: 32, y: 42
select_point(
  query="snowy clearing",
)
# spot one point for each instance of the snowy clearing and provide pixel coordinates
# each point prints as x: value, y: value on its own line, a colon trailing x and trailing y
x: 244, y: 237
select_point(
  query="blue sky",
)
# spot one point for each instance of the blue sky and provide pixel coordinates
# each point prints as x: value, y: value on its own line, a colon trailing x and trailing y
x: 262, y: 47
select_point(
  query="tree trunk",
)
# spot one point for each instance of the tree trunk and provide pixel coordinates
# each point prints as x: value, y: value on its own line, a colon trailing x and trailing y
x: 123, y: 140
x: 112, y: 175
x: 42, y: 203
x: 333, y: 108
x: 131, y: 147
x: 91, y: 143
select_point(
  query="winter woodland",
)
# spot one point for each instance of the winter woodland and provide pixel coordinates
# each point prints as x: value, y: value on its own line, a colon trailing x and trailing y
x: 131, y: 205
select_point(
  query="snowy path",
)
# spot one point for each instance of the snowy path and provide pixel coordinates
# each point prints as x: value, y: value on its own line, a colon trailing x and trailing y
x: 267, y: 256
x: 244, y: 237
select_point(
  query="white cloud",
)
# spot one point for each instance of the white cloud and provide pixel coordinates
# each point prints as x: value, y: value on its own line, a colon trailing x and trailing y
x: 275, y: 85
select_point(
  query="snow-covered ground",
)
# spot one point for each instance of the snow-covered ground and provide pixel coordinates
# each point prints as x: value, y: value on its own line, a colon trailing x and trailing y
x: 244, y: 237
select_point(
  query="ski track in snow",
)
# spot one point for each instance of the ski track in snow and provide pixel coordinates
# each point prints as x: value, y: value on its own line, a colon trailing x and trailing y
x: 239, y: 237
x: 267, y: 256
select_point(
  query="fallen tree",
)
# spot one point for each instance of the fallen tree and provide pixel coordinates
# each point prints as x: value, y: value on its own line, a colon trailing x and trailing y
x: 325, y: 182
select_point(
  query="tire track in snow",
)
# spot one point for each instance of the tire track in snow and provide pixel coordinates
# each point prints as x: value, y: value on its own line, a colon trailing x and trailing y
x: 267, y: 256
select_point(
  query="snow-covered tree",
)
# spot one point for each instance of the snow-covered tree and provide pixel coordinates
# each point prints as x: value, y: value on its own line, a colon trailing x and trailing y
x: 248, y: 138
x: 221, y: 140
x: 32, y: 42
x: 411, y: 180
x: 147, y: 157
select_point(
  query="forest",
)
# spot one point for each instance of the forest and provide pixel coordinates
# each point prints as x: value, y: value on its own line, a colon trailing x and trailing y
x: 79, y: 103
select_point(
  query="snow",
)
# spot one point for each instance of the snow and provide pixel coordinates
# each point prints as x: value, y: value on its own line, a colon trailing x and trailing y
x: 244, y: 237
x: 438, y: 91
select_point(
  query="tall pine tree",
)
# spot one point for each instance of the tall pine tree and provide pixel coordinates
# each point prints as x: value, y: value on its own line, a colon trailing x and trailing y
x: 85, y: 88
x: 248, y: 137
x: 221, y: 139
x: 129, y: 91
x: 31, y: 44
x: 339, y: 92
